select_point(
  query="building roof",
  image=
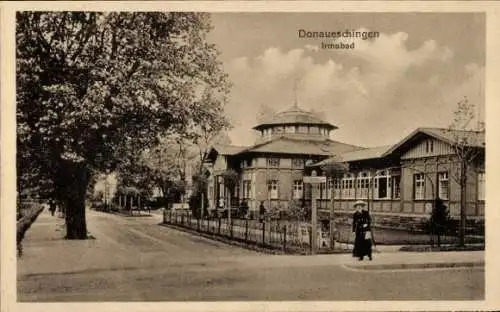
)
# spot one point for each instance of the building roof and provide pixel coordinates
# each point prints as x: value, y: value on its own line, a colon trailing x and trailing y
x: 225, y: 149
x: 360, y: 154
x: 286, y: 145
x: 294, y: 116
x: 469, y: 138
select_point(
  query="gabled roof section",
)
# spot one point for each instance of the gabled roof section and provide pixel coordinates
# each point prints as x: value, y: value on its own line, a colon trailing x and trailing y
x: 469, y: 138
x: 286, y: 145
x: 223, y: 149
x: 360, y: 154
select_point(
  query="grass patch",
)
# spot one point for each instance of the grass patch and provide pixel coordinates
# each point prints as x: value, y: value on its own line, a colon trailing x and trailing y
x: 384, y: 236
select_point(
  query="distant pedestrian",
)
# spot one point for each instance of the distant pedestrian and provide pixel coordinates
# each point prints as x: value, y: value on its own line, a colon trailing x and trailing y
x: 262, y: 211
x: 243, y: 209
x: 52, y: 207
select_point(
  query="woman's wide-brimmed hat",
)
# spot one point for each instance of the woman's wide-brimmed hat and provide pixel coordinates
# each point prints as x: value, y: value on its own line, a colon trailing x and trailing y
x: 360, y: 203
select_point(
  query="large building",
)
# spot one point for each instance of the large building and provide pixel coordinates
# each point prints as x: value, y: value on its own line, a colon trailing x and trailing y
x: 399, y: 182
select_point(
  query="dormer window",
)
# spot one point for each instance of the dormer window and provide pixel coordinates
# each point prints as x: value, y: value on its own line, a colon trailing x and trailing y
x: 273, y: 162
x: 278, y: 130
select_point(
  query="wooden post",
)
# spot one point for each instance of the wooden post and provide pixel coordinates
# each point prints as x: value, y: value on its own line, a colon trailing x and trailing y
x: 231, y: 227
x: 332, y: 214
x: 284, y: 239
x: 246, y: 229
x: 202, y: 212
x: 314, y: 218
x: 263, y: 233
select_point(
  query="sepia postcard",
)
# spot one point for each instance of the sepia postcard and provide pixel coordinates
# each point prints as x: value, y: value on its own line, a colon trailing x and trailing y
x: 248, y: 156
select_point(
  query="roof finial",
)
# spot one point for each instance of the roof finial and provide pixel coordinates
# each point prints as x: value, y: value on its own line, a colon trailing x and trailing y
x: 296, y: 102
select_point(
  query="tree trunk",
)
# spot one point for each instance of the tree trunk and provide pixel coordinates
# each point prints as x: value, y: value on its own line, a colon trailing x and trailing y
x: 75, y: 177
x: 463, y: 203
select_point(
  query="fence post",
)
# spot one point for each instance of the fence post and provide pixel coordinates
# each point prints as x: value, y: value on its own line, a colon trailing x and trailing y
x: 263, y: 233
x: 310, y: 241
x: 198, y: 221
x: 218, y: 231
x: 182, y: 220
x: 246, y: 230
x: 284, y: 238
x: 164, y: 216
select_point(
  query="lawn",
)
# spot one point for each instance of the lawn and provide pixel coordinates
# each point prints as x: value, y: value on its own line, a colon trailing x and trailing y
x: 400, y: 237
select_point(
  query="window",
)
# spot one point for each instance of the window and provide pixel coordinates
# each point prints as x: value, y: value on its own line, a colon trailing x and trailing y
x: 347, y: 185
x: 329, y: 189
x: 363, y: 185
x: 247, y: 189
x: 429, y: 146
x: 248, y: 163
x: 297, y: 189
x: 481, y: 182
x: 273, y: 162
x: 302, y: 129
x: 418, y: 186
x: 443, y: 185
x: 382, y: 185
x: 297, y: 163
x: 278, y: 130
x: 314, y: 130
x: 396, y: 180
x: 236, y: 191
x: 221, y: 187
x: 211, y: 192
x: 323, y: 191
x: 272, y: 189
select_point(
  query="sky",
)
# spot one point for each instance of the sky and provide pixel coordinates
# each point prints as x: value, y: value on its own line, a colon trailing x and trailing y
x: 411, y: 76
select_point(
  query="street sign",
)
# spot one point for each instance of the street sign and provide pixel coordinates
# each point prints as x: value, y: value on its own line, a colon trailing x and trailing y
x: 314, y: 180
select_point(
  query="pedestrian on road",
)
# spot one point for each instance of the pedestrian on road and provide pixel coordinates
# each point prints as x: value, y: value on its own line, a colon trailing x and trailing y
x: 364, y: 237
x: 355, y: 220
x: 52, y: 207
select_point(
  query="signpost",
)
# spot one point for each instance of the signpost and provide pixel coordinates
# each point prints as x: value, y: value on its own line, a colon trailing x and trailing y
x: 314, y: 181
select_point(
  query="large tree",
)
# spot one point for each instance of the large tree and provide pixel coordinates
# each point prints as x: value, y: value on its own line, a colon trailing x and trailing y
x: 468, y: 149
x: 95, y: 87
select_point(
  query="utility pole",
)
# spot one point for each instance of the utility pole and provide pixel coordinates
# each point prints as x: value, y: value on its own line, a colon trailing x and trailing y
x: 315, y: 181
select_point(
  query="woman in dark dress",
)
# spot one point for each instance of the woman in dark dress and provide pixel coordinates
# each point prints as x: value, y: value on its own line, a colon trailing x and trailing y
x: 363, y: 240
x: 366, y: 235
x: 355, y: 220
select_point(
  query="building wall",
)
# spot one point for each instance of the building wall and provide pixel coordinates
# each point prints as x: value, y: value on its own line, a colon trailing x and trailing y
x: 430, y: 167
x: 404, y: 212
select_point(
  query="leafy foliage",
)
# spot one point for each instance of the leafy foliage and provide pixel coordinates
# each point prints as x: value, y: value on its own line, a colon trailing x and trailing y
x: 93, y: 88
x: 466, y: 150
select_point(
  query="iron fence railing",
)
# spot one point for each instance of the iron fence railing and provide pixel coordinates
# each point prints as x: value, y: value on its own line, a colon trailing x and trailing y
x: 287, y: 236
